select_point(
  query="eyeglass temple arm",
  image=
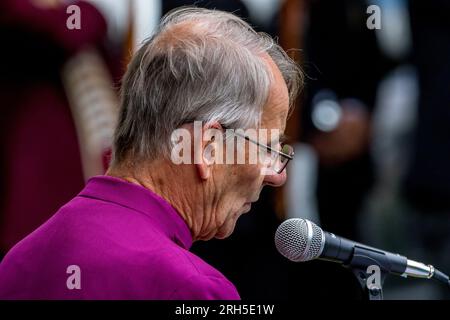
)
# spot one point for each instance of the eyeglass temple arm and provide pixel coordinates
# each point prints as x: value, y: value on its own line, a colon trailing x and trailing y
x: 264, y: 146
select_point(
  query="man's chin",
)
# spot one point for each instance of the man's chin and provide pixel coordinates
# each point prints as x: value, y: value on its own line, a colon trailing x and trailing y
x: 225, y: 232
x: 228, y: 227
x: 222, y: 236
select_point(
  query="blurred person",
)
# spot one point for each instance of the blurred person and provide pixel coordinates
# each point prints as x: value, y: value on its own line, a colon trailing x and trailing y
x: 40, y: 151
x: 129, y: 232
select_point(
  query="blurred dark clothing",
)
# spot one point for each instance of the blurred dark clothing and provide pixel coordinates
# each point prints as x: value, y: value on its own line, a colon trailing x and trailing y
x: 340, y: 195
x: 427, y: 185
x: 342, y: 55
x: 429, y: 239
x: 41, y: 167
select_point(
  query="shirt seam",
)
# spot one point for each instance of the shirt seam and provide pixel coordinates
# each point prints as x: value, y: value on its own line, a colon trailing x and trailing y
x: 200, y: 275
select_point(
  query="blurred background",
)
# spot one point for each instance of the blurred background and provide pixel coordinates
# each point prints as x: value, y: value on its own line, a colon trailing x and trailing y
x: 371, y: 129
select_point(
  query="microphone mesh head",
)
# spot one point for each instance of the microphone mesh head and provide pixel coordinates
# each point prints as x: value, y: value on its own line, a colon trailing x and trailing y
x: 299, y: 240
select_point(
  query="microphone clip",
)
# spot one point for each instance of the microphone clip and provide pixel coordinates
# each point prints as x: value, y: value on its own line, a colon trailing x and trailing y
x: 370, y: 269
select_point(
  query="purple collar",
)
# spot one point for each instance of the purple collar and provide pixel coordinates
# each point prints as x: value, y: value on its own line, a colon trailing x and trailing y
x: 143, y: 200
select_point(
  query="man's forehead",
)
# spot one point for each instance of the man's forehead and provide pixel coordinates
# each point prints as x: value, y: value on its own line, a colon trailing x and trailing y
x: 277, y: 107
x: 272, y: 66
x: 278, y: 87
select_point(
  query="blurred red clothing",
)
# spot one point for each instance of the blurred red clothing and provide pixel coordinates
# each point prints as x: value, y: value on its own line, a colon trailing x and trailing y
x: 40, y: 167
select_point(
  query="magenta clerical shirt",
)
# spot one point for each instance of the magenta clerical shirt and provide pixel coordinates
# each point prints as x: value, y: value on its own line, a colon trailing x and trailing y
x: 115, y: 240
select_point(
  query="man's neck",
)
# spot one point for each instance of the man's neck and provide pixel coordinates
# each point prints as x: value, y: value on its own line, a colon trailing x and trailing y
x: 164, y: 180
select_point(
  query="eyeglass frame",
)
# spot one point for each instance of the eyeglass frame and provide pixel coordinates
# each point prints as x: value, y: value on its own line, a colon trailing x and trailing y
x: 270, y: 149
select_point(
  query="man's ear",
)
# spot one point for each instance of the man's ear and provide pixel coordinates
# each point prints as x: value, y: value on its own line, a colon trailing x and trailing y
x: 210, y: 150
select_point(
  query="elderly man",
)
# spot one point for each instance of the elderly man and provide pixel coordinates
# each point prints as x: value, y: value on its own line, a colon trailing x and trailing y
x: 127, y: 234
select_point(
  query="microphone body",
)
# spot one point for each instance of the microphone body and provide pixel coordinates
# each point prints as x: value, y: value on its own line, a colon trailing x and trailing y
x: 302, y: 240
x: 342, y: 250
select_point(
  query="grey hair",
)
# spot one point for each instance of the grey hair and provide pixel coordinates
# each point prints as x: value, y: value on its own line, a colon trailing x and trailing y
x: 200, y: 64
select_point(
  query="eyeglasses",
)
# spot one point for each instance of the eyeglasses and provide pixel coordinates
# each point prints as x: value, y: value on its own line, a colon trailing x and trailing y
x: 279, y: 159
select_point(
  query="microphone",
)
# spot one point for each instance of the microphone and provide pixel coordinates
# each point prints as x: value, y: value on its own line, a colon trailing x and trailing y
x: 301, y: 240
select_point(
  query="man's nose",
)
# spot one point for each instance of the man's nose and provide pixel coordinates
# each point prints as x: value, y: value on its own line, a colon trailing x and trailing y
x: 275, y: 180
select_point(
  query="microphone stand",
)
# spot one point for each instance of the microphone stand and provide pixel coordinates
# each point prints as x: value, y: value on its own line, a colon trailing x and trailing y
x: 365, y: 265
